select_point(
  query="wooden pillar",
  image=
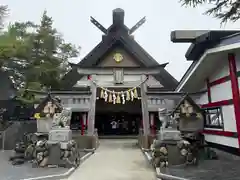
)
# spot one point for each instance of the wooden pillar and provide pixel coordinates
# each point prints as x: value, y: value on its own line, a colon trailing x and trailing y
x: 145, y: 113
x: 91, y: 112
x: 235, y: 91
x: 82, y: 125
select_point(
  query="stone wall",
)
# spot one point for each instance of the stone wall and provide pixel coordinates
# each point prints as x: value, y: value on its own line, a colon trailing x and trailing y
x: 15, y: 133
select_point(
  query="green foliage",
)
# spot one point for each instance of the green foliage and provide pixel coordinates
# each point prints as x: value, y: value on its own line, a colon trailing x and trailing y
x: 35, y: 55
x: 225, y: 10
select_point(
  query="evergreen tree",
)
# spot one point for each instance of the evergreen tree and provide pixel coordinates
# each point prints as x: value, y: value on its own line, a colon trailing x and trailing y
x: 49, y: 56
x: 225, y: 10
x: 35, y: 55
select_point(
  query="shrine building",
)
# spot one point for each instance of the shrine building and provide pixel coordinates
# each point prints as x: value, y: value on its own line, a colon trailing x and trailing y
x: 117, y: 81
x: 215, y: 70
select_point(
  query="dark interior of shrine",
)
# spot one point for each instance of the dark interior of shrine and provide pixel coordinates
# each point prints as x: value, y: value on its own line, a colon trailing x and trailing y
x: 118, y: 119
x: 77, y: 121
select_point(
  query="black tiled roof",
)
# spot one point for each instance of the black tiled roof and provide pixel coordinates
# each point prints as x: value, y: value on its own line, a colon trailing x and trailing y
x: 204, y: 42
x: 118, y: 36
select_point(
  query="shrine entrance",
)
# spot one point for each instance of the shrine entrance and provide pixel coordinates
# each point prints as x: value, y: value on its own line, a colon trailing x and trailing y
x: 119, y: 118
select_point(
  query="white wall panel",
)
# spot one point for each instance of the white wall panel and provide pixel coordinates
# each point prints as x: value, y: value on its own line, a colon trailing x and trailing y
x: 221, y: 71
x: 221, y: 92
x: 229, y: 118
x: 227, y: 141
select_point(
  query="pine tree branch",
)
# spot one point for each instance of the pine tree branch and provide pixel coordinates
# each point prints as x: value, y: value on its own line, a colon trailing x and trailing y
x: 225, y: 10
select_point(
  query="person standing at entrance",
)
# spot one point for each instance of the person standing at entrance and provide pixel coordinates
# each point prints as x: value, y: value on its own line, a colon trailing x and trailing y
x: 125, y: 127
x: 114, y: 126
x: 134, y: 128
x: 120, y: 126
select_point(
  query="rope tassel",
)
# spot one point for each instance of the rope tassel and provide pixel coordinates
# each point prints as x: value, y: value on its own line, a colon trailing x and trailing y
x: 123, y: 97
x: 110, y: 100
x: 105, y: 96
x: 118, y: 99
x: 135, y: 93
x: 128, y: 96
x: 101, y: 94
x: 114, y: 98
x: 132, y: 95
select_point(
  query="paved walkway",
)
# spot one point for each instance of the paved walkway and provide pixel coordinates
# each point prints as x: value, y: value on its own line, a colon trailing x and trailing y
x: 115, y: 160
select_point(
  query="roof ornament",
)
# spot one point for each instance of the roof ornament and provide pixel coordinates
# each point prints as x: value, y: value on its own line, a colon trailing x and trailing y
x: 137, y: 25
x: 98, y: 25
x: 118, y: 21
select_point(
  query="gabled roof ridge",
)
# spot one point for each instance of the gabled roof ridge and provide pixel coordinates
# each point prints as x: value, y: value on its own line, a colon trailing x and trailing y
x: 111, y: 38
x: 189, y: 99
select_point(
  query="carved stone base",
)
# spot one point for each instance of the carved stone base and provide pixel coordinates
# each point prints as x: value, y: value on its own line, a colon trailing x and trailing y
x: 173, y: 154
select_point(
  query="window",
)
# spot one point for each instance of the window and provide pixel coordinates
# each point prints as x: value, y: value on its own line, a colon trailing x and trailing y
x: 213, y: 118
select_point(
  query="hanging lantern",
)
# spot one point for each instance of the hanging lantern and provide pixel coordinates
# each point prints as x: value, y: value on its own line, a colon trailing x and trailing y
x: 123, y: 97
x: 114, y: 97
x: 118, y: 98
x: 128, y: 95
x: 105, y: 96
x: 132, y: 95
x: 135, y: 93
x: 101, y: 94
x: 110, y: 99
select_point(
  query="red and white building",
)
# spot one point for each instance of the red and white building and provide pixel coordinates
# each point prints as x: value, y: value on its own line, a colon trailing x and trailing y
x: 215, y: 71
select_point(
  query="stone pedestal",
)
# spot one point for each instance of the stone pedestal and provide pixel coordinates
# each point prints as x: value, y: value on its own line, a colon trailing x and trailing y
x: 54, y: 157
x: 44, y: 125
x: 169, y: 134
x: 60, y: 135
x: 170, y: 137
x: 86, y: 141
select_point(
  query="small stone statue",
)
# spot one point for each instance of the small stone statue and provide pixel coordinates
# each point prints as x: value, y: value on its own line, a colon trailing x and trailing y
x: 159, y: 154
x: 163, y: 117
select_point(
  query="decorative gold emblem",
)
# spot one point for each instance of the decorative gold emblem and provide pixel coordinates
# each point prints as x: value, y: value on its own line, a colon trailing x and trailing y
x: 118, y: 57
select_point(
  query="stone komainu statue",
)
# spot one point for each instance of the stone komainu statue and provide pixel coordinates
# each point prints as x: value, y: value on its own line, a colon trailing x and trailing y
x: 163, y: 117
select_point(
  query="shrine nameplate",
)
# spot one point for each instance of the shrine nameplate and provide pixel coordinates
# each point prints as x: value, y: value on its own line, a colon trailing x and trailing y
x: 118, y: 76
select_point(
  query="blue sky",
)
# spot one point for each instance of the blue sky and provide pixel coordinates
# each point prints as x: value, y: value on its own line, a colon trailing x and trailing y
x: 72, y: 19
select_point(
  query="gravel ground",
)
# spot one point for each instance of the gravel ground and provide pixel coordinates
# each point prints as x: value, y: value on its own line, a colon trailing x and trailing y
x: 225, y: 168
x: 10, y: 172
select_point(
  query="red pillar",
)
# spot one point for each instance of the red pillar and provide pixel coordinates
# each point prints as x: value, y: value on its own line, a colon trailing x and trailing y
x: 235, y: 91
x: 208, y: 91
x: 86, y: 120
x: 82, y: 124
x: 152, y: 123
